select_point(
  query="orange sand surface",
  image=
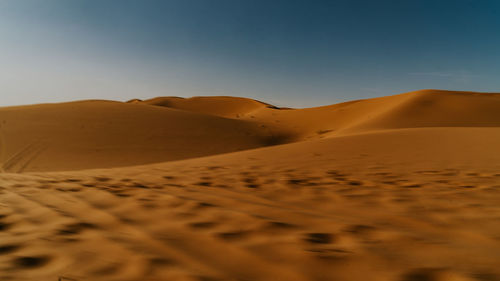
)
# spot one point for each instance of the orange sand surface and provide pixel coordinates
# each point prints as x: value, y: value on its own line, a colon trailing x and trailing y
x: 403, y: 188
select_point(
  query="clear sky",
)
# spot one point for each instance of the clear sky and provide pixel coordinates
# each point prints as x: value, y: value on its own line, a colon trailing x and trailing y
x: 287, y: 52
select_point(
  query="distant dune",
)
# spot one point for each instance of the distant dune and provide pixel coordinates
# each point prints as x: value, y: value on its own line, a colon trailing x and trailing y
x: 397, y: 188
x: 230, y: 107
x: 100, y: 134
x: 105, y: 134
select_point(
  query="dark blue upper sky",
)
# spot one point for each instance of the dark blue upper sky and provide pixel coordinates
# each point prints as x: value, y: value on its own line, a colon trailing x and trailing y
x: 296, y: 53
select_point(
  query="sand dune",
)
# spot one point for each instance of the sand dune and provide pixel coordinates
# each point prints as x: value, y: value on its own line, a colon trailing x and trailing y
x: 100, y: 134
x: 426, y: 108
x: 398, y: 188
x: 230, y: 107
x: 437, y: 109
x: 104, y: 134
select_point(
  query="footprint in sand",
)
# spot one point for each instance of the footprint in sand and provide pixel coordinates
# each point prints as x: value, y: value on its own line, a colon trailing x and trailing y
x: 233, y: 236
x: 76, y: 228
x: 319, y: 238
x: 251, y: 182
x: 4, y: 226
x: 29, y: 262
x: 279, y: 225
x: 203, y: 225
x: 9, y: 248
x: 433, y: 274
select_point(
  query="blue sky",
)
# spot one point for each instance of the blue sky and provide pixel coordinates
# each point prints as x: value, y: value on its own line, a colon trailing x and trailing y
x: 287, y: 52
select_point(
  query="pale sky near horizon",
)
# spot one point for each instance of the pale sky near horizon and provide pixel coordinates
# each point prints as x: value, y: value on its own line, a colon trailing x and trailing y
x: 295, y: 53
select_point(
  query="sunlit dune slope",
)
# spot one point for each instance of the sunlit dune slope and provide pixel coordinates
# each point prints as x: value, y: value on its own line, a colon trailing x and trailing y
x: 432, y: 108
x: 104, y: 134
x: 100, y: 134
x: 230, y: 107
x: 391, y: 205
x: 398, y: 188
x: 402, y: 149
x: 424, y: 108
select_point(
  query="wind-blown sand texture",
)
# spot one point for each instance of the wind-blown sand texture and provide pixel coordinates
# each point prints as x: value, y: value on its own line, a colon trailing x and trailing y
x: 403, y: 188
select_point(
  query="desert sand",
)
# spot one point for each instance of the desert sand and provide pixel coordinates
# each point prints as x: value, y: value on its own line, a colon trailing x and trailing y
x: 399, y: 188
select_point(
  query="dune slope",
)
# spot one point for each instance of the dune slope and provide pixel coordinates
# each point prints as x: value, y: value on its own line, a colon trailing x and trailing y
x: 426, y: 108
x: 230, y: 107
x: 398, y: 188
x: 392, y: 205
x: 99, y: 134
